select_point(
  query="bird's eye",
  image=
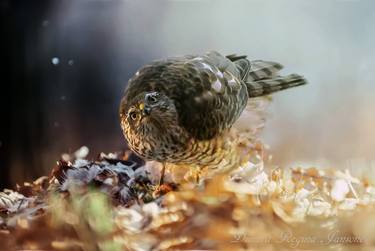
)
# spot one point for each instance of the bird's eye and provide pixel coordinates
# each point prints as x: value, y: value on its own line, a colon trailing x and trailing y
x: 133, y: 115
x: 151, y: 99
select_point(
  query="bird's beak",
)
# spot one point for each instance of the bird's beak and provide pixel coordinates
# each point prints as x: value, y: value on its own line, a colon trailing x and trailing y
x: 146, y: 110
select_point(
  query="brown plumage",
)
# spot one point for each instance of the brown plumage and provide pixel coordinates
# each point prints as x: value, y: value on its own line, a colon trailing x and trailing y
x: 178, y: 110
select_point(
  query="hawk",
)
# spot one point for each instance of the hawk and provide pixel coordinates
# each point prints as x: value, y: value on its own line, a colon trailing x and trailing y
x: 178, y: 110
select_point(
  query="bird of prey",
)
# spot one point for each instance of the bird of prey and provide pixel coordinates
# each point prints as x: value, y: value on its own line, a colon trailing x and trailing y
x: 178, y: 110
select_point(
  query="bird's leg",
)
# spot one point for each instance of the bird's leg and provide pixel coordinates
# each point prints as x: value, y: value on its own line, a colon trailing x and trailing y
x: 162, y: 173
x: 193, y: 175
x: 197, y: 174
x: 162, y: 188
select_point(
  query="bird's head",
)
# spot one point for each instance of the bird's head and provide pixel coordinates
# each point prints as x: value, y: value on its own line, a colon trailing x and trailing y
x: 149, y: 111
x: 149, y: 120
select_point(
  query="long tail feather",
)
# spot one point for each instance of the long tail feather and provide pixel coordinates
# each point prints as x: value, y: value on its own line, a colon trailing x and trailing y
x: 268, y: 86
x: 263, y: 70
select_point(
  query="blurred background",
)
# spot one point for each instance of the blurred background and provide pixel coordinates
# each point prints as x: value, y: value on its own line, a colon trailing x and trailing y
x: 65, y: 65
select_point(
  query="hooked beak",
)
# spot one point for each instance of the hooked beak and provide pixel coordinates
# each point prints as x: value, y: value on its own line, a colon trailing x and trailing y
x: 146, y: 110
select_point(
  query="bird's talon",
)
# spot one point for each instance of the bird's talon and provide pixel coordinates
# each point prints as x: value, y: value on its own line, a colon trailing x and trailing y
x: 162, y: 189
